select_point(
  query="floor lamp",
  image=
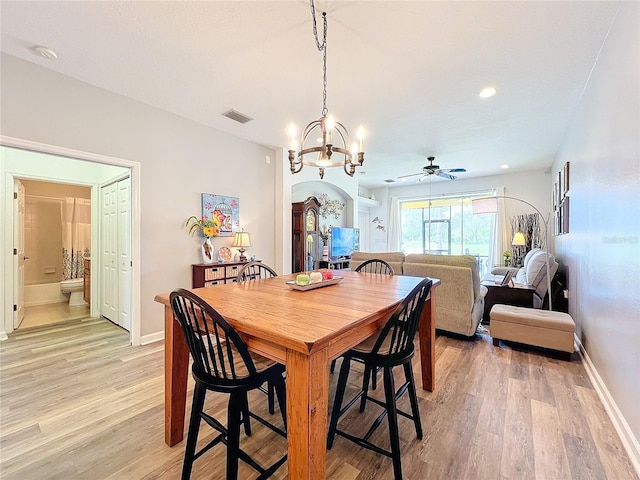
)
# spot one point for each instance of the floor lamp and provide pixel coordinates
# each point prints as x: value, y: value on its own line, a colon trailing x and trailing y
x: 490, y: 205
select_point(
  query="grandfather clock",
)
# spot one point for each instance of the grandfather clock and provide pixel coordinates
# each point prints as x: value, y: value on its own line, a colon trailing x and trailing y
x: 306, y: 246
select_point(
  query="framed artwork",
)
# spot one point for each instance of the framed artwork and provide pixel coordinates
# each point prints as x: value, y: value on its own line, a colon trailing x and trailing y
x: 226, y: 209
x: 559, y: 219
x: 566, y: 177
x: 565, y: 215
x: 561, y: 185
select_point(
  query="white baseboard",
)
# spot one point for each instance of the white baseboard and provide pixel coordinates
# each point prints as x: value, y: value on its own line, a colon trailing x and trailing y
x: 3, y: 336
x: 154, y: 337
x: 629, y: 441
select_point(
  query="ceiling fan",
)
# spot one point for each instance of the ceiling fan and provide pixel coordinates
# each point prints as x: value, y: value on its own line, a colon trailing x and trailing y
x: 432, y: 169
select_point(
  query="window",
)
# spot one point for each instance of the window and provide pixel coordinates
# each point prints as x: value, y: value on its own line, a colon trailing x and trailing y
x: 446, y: 226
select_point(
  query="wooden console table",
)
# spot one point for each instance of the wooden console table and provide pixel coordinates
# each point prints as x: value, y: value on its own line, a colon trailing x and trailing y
x: 208, y: 275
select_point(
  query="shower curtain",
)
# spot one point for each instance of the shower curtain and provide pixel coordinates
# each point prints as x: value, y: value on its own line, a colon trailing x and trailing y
x: 76, y: 236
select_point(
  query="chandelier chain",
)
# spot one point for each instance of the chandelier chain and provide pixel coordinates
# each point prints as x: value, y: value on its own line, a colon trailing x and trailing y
x: 323, y: 48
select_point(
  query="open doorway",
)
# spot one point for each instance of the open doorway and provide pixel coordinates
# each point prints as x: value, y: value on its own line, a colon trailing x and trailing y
x: 57, y: 253
x: 23, y: 160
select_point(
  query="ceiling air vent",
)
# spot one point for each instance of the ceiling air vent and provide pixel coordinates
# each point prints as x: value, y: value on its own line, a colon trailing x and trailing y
x: 389, y: 180
x: 237, y: 116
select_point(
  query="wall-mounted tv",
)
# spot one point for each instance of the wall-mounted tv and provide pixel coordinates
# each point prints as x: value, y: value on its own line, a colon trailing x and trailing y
x: 344, y: 241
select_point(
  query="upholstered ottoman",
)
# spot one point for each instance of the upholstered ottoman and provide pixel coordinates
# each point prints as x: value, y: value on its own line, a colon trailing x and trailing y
x: 542, y: 328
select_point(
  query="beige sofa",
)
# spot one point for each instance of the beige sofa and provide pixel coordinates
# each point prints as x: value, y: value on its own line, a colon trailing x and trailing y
x: 460, y: 297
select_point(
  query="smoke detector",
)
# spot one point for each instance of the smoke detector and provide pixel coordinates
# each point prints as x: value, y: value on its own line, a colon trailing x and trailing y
x: 45, y: 52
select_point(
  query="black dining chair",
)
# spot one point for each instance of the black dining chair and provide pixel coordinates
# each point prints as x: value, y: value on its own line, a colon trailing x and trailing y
x: 392, y: 347
x: 222, y: 363
x: 375, y: 265
x: 380, y: 267
x: 255, y: 270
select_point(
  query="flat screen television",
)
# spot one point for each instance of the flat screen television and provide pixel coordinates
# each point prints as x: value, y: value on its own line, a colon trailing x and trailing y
x: 344, y: 241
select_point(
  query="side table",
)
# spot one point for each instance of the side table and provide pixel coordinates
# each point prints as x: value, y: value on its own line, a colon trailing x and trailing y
x: 518, y: 296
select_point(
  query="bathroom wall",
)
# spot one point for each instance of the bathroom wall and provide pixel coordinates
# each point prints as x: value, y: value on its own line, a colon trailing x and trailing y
x: 43, y: 229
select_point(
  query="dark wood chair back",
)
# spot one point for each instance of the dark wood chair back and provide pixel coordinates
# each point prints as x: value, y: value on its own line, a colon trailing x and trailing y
x: 255, y: 270
x: 219, y: 354
x: 396, y: 338
x: 375, y: 265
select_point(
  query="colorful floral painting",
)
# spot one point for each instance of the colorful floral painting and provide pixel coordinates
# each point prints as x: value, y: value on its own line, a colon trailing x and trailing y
x: 225, y: 209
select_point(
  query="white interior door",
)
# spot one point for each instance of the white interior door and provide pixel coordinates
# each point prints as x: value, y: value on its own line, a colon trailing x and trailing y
x: 109, y: 259
x: 18, y: 256
x: 124, y: 253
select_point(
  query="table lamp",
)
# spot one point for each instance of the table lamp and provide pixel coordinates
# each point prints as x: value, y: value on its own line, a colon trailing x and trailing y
x: 518, y: 240
x: 242, y: 240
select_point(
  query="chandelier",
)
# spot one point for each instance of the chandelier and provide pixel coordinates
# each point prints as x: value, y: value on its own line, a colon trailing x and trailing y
x: 325, y: 142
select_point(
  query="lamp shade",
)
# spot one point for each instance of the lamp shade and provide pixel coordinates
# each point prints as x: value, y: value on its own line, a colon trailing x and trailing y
x: 484, y: 205
x: 518, y: 239
x: 241, y: 239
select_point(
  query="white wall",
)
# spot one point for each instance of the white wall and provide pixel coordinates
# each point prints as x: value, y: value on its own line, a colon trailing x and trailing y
x: 533, y: 187
x: 301, y: 191
x: 179, y: 160
x: 602, y: 250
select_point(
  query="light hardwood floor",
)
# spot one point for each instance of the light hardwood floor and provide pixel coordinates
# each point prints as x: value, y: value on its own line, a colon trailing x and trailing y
x: 51, y: 314
x: 77, y: 402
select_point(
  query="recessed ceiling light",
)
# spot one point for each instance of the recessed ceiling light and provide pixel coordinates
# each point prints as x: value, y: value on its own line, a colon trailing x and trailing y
x: 45, y: 52
x: 488, y: 92
x: 504, y: 166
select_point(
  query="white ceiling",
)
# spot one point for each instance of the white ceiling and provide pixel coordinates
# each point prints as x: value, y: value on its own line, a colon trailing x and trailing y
x: 410, y: 72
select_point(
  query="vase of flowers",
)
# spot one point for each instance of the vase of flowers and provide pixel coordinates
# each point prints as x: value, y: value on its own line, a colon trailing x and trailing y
x: 208, y: 228
x: 507, y: 257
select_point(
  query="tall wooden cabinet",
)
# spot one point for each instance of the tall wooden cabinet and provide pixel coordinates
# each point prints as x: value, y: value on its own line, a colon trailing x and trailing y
x: 306, y: 246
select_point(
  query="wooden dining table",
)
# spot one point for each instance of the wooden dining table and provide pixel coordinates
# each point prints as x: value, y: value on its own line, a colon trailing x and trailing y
x: 304, y: 330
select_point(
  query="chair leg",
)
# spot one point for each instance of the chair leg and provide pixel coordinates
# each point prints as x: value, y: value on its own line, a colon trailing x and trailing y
x: 413, y: 398
x: 234, y: 413
x: 245, y: 417
x: 368, y: 371
x: 271, y: 397
x: 281, y: 393
x: 333, y: 366
x: 199, y: 393
x: 392, y: 416
x: 337, y: 402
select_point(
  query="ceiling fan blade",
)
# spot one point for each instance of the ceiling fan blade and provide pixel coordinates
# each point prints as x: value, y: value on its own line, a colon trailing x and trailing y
x: 423, y: 177
x: 411, y: 175
x: 446, y: 175
x: 455, y: 170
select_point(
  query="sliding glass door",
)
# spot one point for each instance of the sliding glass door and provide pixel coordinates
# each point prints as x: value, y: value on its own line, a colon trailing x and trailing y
x: 446, y: 226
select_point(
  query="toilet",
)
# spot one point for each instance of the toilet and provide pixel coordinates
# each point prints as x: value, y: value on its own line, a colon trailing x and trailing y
x: 74, y: 286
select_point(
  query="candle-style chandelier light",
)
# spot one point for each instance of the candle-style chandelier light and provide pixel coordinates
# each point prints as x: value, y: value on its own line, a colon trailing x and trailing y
x: 325, y: 142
